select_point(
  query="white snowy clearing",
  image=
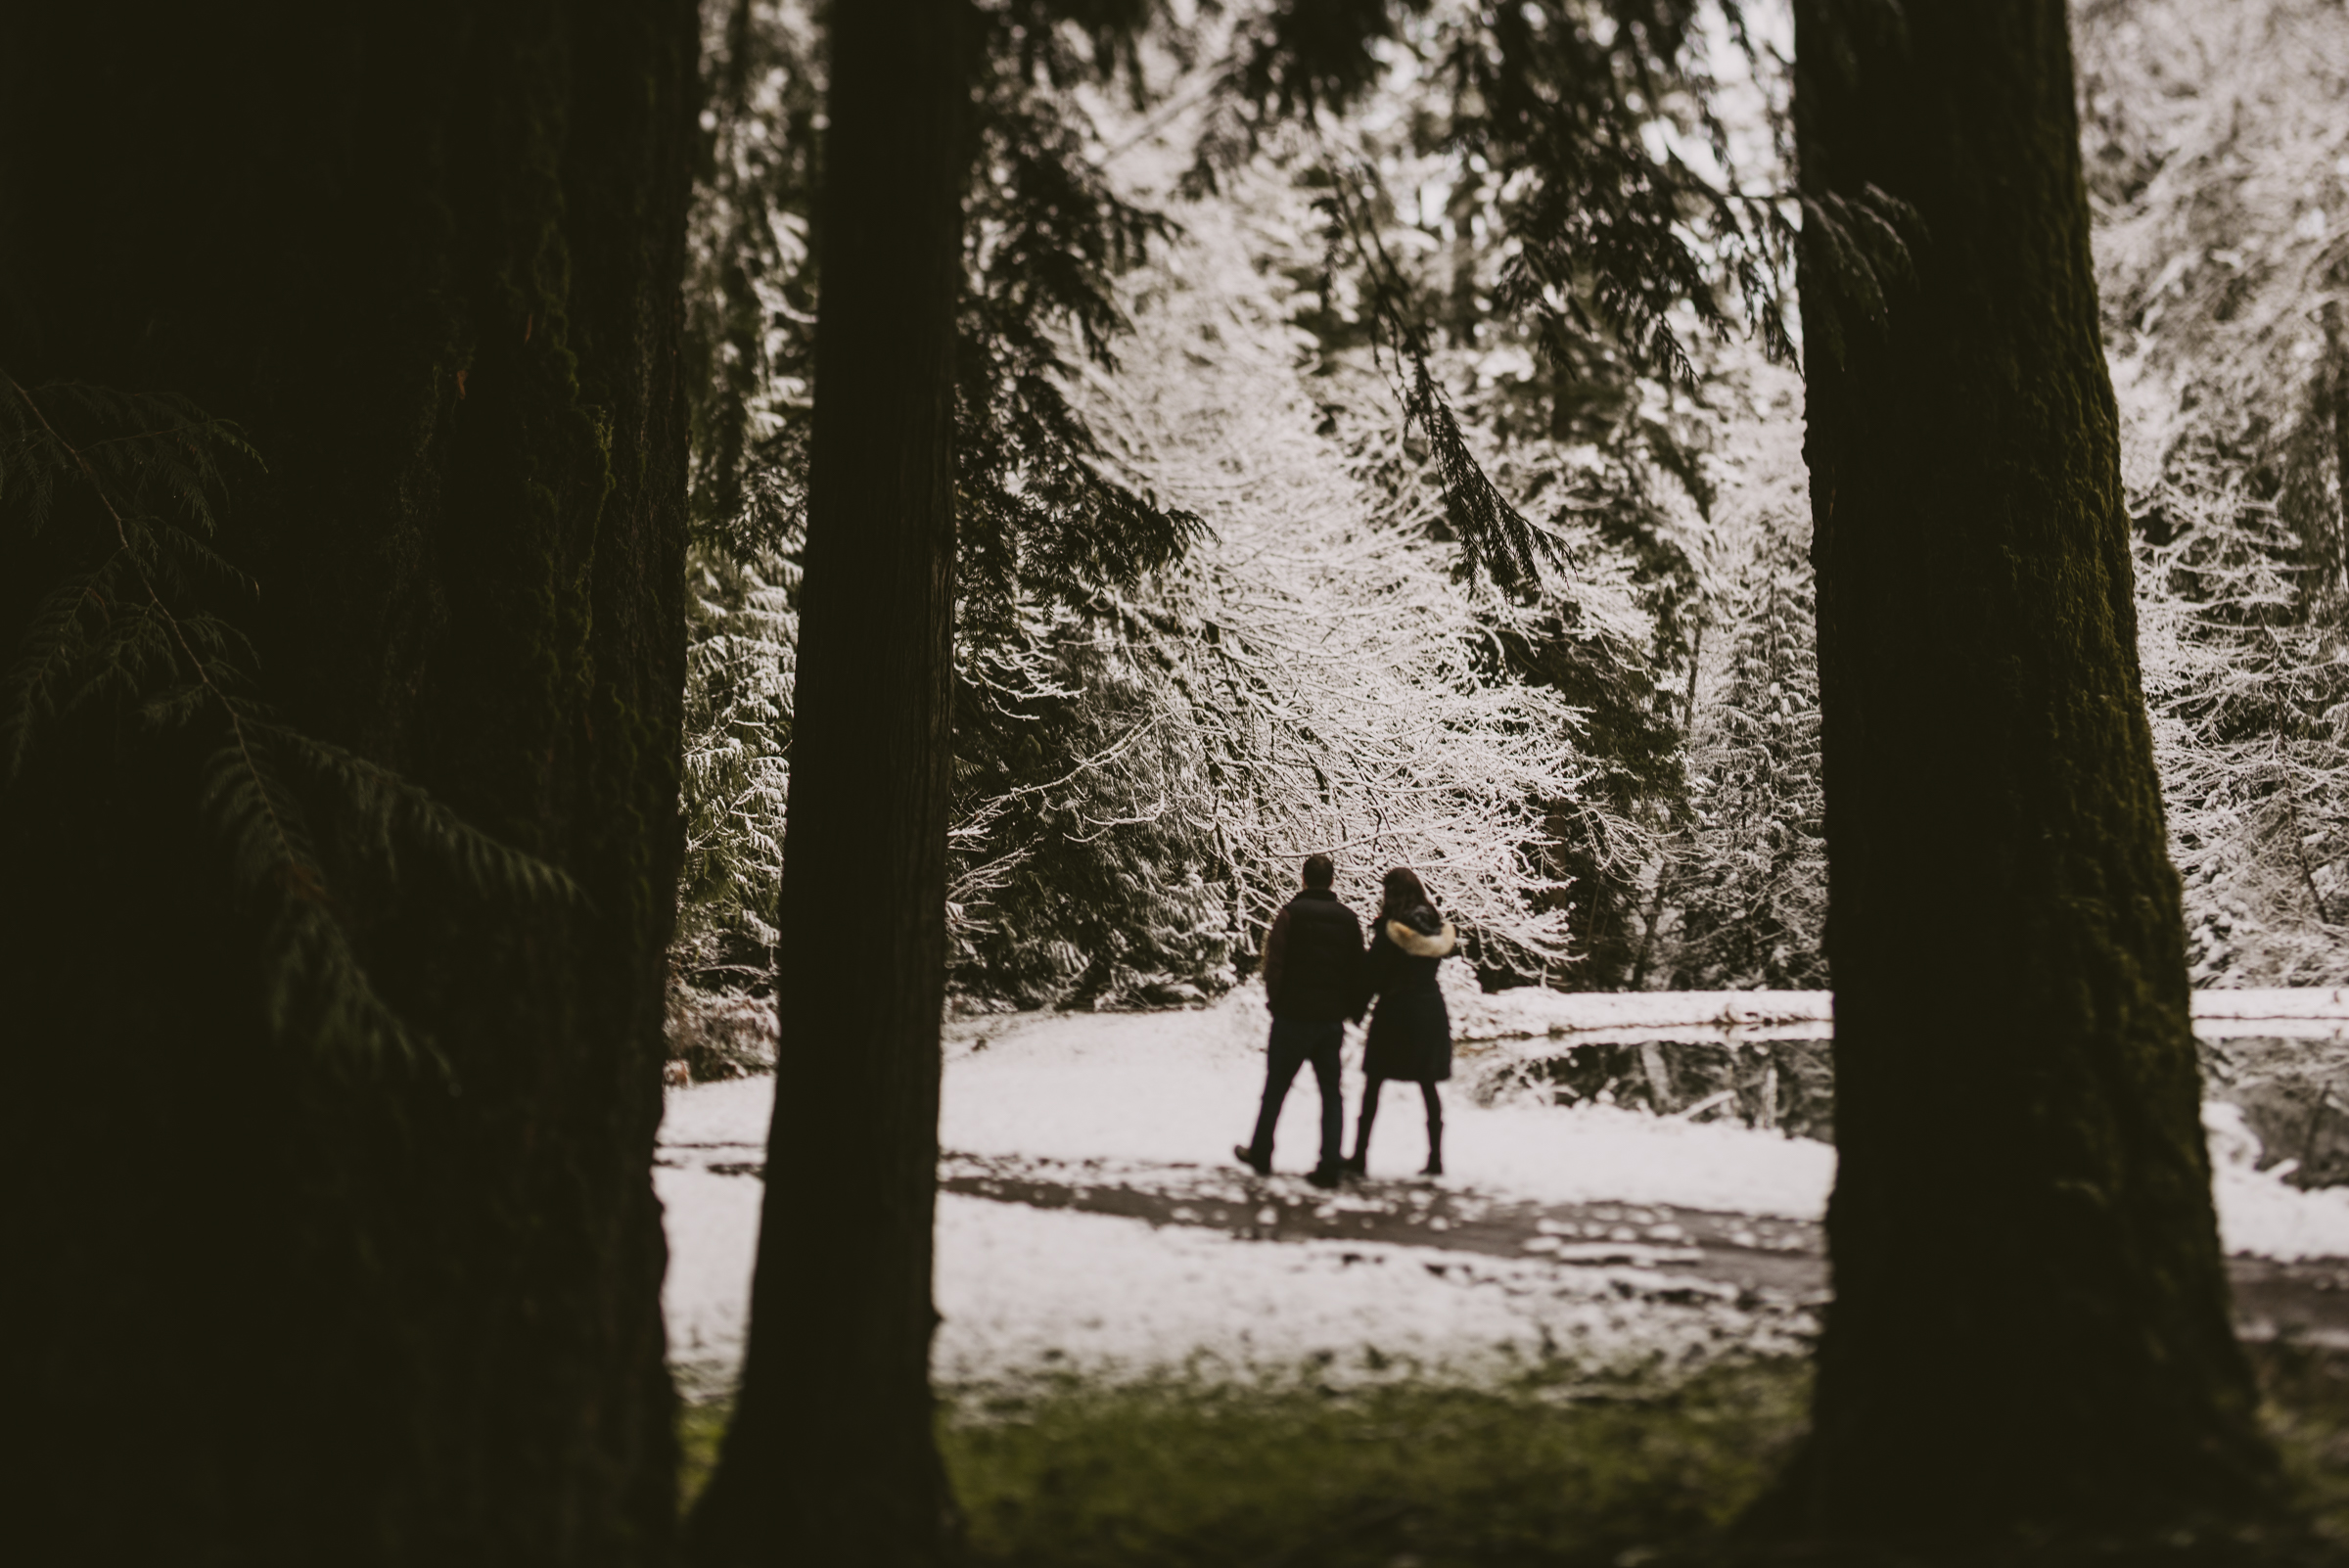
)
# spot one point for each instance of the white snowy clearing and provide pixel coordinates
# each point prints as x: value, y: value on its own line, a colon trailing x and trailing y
x: 1028, y: 1291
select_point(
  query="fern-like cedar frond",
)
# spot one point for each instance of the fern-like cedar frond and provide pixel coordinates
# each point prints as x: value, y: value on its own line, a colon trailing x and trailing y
x: 55, y: 641
x: 396, y: 811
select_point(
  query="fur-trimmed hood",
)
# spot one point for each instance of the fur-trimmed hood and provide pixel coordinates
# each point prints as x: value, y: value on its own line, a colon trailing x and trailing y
x: 1422, y: 945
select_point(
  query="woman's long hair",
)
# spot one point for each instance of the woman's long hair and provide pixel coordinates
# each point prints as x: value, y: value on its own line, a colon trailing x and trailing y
x: 1403, y: 895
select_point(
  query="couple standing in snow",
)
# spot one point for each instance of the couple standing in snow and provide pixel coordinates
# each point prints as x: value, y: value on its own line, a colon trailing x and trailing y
x: 1317, y: 976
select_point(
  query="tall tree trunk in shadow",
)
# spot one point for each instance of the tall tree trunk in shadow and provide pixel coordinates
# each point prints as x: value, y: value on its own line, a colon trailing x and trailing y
x: 268, y: 1300
x: 2030, y: 1326
x: 831, y: 1456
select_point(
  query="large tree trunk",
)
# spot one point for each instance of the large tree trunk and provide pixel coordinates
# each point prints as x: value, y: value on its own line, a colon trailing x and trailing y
x: 831, y: 1456
x: 2031, y: 1321
x: 264, y: 1302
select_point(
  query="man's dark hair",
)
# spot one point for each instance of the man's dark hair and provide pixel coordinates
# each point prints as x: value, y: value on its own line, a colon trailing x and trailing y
x: 1320, y: 871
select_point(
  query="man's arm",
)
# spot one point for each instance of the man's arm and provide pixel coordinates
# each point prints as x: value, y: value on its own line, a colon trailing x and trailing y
x: 1277, y: 952
x: 1357, y: 976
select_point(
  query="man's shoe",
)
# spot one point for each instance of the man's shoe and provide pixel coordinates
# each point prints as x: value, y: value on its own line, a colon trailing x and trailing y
x: 1325, y: 1175
x: 1247, y: 1156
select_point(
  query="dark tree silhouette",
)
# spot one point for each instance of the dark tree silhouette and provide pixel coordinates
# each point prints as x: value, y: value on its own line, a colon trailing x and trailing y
x: 327, y: 1119
x: 831, y: 1456
x: 2030, y: 1327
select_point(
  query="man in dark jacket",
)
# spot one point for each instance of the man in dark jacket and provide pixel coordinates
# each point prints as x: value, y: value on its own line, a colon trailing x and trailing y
x: 1314, y: 981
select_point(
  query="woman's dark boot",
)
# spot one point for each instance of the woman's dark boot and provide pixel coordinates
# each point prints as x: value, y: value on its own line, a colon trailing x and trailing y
x: 1435, y: 1131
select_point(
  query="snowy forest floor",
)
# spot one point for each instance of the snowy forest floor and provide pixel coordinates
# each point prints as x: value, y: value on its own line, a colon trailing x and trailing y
x: 1599, y: 1320
x: 1091, y: 1221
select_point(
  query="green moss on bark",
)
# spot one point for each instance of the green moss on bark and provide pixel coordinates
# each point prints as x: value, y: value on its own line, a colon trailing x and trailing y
x: 2030, y: 1328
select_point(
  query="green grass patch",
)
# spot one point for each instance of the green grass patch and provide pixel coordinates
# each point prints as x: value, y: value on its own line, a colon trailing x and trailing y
x: 2306, y: 1411
x: 1408, y: 1475
x: 1162, y: 1475
x: 701, y: 1428
x: 1185, y: 1471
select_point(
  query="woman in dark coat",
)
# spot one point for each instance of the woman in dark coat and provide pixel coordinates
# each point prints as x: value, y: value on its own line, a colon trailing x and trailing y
x: 1410, y: 1034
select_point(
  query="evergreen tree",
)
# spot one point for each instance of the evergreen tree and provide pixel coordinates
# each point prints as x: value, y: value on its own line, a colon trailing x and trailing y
x: 1536, y: 320
x: 1747, y: 889
x: 2249, y: 704
x: 1134, y: 779
x: 2211, y: 149
x: 331, y: 914
x: 2030, y: 1328
x: 742, y: 629
x: 1575, y: 437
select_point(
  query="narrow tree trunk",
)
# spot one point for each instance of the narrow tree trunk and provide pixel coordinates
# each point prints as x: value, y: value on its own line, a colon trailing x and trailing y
x: 263, y: 1304
x: 2337, y: 374
x: 831, y: 1456
x: 2030, y: 1324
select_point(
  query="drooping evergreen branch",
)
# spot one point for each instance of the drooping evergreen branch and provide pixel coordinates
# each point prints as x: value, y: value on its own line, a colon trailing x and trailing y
x: 1497, y: 542
x: 34, y: 671
x: 171, y: 663
x: 1863, y: 248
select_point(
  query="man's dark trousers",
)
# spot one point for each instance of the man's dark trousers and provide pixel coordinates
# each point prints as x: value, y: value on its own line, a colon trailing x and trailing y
x: 1294, y: 1044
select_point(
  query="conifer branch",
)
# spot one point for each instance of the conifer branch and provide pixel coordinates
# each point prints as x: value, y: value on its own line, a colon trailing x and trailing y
x: 112, y: 636
x: 155, y: 600
x: 1497, y: 542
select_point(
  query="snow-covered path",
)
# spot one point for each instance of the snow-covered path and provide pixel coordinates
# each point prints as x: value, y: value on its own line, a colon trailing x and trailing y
x: 1122, y: 1123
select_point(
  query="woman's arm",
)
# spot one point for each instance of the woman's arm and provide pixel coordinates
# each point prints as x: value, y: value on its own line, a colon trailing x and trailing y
x: 1378, y: 967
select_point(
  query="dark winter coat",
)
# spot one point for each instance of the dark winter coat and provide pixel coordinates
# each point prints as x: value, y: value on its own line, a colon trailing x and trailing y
x: 1314, y: 960
x: 1410, y: 1034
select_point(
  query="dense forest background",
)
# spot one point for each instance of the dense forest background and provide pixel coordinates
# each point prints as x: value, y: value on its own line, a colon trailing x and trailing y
x: 1216, y: 616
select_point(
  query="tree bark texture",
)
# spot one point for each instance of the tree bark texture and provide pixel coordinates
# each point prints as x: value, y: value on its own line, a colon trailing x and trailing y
x: 2336, y: 397
x: 2030, y: 1324
x: 831, y: 1457
x: 261, y: 1305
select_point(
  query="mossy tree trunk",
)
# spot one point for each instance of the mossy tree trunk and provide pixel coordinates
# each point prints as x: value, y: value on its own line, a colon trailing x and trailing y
x: 831, y: 1456
x: 263, y: 1304
x: 2030, y: 1324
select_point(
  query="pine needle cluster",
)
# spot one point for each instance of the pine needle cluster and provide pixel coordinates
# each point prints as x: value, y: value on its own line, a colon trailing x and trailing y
x: 111, y: 500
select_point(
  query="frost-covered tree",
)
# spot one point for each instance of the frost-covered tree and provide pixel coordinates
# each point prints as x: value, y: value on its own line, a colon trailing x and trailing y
x: 1311, y: 676
x: 749, y: 297
x: 1744, y: 895
x: 1510, y: 209
x: 741, y: 632
x: 2215, y: 149
x: 1598, y: 458
x: 1059, y: 651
